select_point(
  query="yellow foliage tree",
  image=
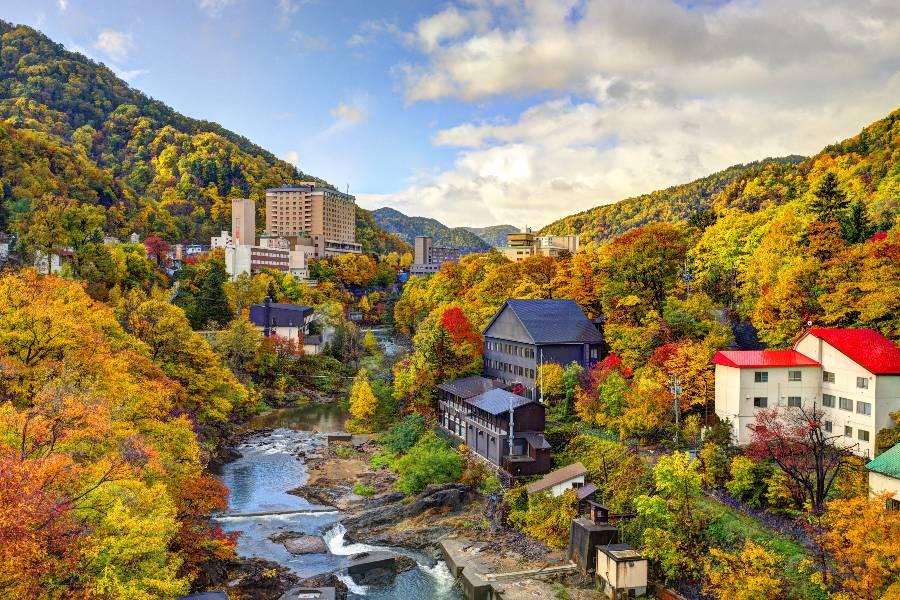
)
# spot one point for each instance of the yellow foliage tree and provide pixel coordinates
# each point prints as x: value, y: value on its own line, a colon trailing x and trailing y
x: 749, y: 574
x: 551, y: 378
x: 363, y: 403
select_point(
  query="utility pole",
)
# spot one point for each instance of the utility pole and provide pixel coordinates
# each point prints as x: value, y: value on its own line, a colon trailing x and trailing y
x: 541, y: 373
x: 511, y: 424
x: 675, y: 388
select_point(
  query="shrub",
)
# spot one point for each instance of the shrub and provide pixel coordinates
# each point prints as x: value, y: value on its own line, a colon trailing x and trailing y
x: 545, y: 518
x: 382, y: 460
x: 747, y: 481
x: 401, y: 437
x: 751, y: 573
x: 430, y: 461
x: 345, y: 452
x: 715, y: 464
x: 361, y: 489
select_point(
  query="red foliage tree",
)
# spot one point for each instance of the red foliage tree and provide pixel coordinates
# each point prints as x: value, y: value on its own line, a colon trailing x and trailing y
x: 156, y: 248
x: 201, y: 542
x: 461, y: 329
x: 795, y: 439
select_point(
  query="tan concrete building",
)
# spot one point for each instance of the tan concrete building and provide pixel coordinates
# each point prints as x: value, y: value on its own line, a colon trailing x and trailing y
x: 323, y: 214
x: 522, y: 245
x: 243, y: 221
x: 853, y: 375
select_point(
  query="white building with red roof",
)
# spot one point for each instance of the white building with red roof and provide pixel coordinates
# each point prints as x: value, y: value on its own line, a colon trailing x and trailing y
x: 853, y: 374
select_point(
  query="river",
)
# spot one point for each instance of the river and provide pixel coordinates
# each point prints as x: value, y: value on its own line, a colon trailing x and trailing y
x: 268, y: 467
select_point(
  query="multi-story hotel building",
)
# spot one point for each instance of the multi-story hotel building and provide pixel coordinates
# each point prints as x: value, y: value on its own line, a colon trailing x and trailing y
x: 853, y: 375
x: 520, y: 246
x: 325, y: 215
x: 428, y: 258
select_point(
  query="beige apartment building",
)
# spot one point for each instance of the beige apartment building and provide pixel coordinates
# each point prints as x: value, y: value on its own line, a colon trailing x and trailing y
x: 520, y: 246
x: 325, y: 215
x: 853, y: 375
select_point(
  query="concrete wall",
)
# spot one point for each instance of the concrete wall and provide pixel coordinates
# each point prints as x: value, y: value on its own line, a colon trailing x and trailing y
x: 879, y: 484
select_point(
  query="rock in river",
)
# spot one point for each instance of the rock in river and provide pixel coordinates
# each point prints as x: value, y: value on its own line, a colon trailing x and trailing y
x: 298, y: 543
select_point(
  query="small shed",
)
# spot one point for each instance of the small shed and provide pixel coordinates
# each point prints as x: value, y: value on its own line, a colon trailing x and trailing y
x: 560, y: 480
x: 621, y: 571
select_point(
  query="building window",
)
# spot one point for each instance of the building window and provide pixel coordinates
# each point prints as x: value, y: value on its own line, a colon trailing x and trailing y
x: 863, y: 435
x: 827, y: 377
x: 794, y: 401
x: 848, y: 431
x: 760, y: 402
x: 795, y: 376
x: 761, y: 377
x: 863, y: 408
x: 828, y: 426
x: 828, y: 400
x: 862, y: 383
x: 846, y: 403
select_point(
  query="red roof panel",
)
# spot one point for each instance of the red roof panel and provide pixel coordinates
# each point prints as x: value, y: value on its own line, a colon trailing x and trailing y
x: 873, y: 351
x: 749, y: 359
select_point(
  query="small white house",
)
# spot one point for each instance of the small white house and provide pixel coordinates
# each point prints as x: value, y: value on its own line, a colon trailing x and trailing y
x: 288, y: 321
x: 558, y: 481
x: 884, y: 476
x: 621, y: 571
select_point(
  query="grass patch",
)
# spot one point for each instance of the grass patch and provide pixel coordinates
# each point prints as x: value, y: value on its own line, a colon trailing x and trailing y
x: 732, y: 526
x: 345, y: 452
x: 361, y: 489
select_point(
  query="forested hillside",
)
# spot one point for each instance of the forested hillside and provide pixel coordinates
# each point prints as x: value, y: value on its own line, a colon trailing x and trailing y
x: 495, y: 235
x: 69, y: 127
x: 407, y: 228
x: 671, y: 205
x: 373, y: 238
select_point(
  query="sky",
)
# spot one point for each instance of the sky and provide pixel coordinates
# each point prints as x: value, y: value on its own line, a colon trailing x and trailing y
x: 481, y: 112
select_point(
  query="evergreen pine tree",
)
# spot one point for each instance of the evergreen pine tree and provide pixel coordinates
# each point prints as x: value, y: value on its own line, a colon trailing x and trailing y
x: 856, y: 227
x: 212, y: 305
x: 829, y: 201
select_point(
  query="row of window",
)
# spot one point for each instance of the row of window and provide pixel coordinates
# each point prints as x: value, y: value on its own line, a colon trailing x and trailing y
x: 508, y: 368
x: 861, y: 434
x: 827, y: 376
x: 862, y: 408
x: 511, y: 349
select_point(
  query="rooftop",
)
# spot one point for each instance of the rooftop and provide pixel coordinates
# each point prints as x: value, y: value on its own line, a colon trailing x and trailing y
x: 498, y: 401
x: 876, y: 353
x: 468, y: 387
x: 280, y: 315
x: 556, y: 477
x: 887, y: 463
x: 749, y: 359
x: 553, y: 321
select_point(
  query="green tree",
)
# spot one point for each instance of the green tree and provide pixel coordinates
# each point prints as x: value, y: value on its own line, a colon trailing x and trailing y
x: 430, y: 461
x: 829, y: 201
x: 674, y: 523
x: 212, y: 309
x: 856, y: 226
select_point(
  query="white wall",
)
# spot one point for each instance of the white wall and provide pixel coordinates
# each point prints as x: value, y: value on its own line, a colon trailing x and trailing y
x: 737, y: 388
x: 879, y: 483
x: 560, y: 488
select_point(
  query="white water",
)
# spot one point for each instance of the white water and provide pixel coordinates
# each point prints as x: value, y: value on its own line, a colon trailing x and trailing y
x: 334, y: 539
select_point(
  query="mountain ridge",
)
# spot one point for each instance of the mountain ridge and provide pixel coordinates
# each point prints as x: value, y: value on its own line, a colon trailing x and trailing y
x: 71, y: 128
x: 407, y: 228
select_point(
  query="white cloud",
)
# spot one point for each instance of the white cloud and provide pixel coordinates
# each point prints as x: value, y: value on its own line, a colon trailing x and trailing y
x: 350, y: 113
x: 115, y: 44
x: 62, y: 4
x: 370, y: 31
x: 286, y: 10
x: 311, y: 42
x: 625, y: 97
x: 292, y: 156
x: 214, y: 8
x: 130, y: 75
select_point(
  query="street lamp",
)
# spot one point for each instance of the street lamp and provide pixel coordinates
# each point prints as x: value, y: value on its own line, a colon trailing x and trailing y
x: 675, y: 388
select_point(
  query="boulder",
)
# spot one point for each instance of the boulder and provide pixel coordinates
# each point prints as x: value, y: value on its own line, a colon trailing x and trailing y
x: 451, y: 496
x: 377, y: 568
x: 298, y: 543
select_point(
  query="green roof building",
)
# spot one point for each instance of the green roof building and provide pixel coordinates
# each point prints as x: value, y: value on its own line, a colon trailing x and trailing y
x: 884, y: 476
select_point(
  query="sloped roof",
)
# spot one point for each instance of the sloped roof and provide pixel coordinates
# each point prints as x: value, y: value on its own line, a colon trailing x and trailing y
x: 748, y: 359
x: 497, y: 401
x: 553, y: 321
x: 586, y: 490
x: 887, y: 463
x: 556, y: 477
x: 876, y: 353
x: 281, y: 315
x: 468, y: 387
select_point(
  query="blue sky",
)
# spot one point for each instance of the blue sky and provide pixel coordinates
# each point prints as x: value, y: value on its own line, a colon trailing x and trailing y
x: 487, y: 111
